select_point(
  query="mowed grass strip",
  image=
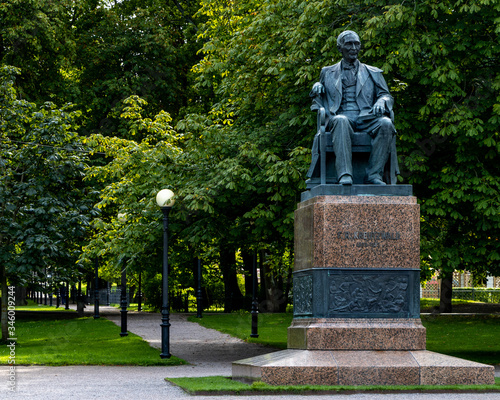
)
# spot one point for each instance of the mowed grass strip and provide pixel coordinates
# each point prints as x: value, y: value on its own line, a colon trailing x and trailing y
x: 474, y: 338
x: 81, y: 341
x: 32, y: 306
x: 272, y: 327
x: 213, y: 385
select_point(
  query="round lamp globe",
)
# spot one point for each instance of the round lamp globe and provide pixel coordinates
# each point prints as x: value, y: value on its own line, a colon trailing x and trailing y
x: 164, y: 198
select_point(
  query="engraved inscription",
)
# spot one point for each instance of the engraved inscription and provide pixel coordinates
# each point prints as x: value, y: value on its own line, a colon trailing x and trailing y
x: 302, y: 295
x: 369, y: 235
x: 368, y: 293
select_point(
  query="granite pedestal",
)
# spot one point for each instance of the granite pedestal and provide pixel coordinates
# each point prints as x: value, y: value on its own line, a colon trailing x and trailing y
x: 356, y: 298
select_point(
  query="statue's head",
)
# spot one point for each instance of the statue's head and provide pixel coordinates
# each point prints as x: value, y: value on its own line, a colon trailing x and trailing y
x: 349, y: 45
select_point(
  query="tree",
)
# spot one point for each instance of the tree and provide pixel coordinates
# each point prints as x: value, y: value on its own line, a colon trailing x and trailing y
x: 262, y: 58
x: 134, y: 48
x: 449, y: 125
x: 38, y: 38
x: 42, y: 200
x: 247, y: 158
x: 127, y: 233
x: 238, y: 169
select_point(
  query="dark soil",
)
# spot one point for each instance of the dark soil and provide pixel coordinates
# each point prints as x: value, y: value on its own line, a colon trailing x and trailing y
x: 470, y: 308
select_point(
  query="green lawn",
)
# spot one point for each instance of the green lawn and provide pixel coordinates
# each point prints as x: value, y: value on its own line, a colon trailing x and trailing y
x: 32, y: 306
x: 81, y: 341
x: 272, y: 327
x: 474, y: 338
x: 134, y: 307
x: 427, y: 304
x: 220, y: 385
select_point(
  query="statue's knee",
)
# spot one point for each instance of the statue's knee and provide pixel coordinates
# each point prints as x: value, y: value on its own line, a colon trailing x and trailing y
x: 386, y: 125
x: 339, y: 121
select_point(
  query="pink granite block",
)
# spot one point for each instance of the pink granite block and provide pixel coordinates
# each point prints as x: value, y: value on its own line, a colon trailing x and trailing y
x: 440, y: 369
x: 292, y: 376
x: 357, y: 334
x: 357, y: 232
x: 250, y: 369
x: 302, y: 368
x: 376, y: 368
x: 320, y: 367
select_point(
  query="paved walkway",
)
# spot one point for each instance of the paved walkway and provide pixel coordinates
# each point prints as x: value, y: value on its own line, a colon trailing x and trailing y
x: 209, y: 353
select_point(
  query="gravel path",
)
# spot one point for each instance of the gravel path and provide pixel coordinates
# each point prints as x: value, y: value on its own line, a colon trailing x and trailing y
x: 210, y: 351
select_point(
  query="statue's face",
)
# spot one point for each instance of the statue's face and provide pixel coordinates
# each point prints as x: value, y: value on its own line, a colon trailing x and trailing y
x: 350, y: 48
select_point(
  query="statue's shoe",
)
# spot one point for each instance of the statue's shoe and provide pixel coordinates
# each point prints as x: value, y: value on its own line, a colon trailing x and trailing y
x: 346, y: 180
x: 376, y: 181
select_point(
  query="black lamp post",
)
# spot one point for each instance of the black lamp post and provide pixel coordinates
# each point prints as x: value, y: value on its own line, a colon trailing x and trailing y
x: 255, y: 303
x: 122, y: 217
x: 165, y: 201
x: 123, y: 302
x: 96, y: 290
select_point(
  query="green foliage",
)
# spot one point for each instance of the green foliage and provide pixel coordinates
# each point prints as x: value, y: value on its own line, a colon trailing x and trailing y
x: 38, y: 38
x: 133, y: 48
x: 42, y: 199
x: 243, y: 129
x: 448, y: 114
x: 128, y: 233
x: 442, y: 66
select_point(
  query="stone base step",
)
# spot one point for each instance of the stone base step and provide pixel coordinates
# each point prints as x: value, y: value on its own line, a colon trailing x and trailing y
x: 323, y: 367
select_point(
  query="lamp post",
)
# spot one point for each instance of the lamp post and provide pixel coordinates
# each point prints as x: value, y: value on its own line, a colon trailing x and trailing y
x: 255, y: 303
x: 123, y: 301
x: 165, y: 201
x: 122, y: 217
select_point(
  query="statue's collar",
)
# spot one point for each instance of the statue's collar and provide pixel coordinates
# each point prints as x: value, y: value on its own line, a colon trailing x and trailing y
x: 347, y: 65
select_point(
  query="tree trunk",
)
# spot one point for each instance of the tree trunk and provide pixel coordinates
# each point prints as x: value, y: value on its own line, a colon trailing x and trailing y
x: 273, y: 289
x: 446, y: 293
x: 248, y: 267
x: 21, y: 292
x: 288, y: 287
x: 233, y: 299
x: 3, y: 282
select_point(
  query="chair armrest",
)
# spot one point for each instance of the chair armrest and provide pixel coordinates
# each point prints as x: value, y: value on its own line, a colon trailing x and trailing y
x: 321, y: 120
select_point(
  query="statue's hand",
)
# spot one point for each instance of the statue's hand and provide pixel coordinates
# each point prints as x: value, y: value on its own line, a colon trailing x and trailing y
x: 317, y: 89
x: 379, y: 108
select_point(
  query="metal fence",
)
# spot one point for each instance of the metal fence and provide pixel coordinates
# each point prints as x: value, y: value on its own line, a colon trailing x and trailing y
x: 109, y: 296
x: 463, y: 288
